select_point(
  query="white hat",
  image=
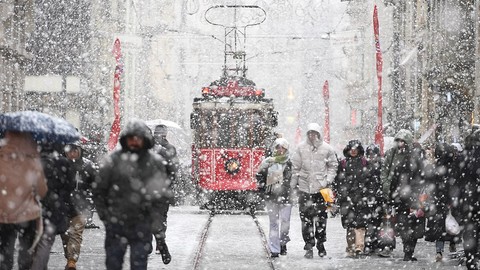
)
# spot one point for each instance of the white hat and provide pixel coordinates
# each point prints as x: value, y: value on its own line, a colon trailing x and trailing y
x: 282, y: 142
x: 315, y: 127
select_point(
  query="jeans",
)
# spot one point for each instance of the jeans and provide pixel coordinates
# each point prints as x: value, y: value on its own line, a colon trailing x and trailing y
x: 279, y: 216
x: 119, y: 237
x: 8, y: 234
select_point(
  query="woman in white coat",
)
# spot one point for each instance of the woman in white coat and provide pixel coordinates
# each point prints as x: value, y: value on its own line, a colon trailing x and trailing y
x: 274, y: 175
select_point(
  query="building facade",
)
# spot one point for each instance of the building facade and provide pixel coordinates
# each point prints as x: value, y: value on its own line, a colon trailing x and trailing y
x: 16, y: 24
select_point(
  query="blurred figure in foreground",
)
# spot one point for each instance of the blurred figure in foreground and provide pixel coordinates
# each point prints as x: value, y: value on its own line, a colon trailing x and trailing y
x: 22, y: 186
x: 57, y: 206
x: 130, y: 181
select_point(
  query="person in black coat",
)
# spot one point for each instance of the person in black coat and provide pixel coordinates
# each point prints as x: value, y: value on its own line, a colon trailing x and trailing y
x: 375, y: 200
x: 439, y: 185
x: 169, y: 153
x: 57, y: 205
x: 353, y: 184
x: 85, y: 173
x: 131, y: 180
x: 469, y: 200
x: 403, y: 184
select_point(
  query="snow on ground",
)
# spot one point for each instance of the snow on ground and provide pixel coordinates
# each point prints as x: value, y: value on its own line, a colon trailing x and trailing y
x: 237, y: 237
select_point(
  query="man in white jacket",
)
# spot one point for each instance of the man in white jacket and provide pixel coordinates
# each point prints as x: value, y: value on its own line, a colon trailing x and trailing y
x: 314, y: 168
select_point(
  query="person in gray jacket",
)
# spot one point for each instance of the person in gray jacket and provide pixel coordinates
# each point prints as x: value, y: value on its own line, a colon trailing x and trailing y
x: 314, y: 168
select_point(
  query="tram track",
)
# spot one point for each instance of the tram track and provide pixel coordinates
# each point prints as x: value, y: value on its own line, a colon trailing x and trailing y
x: 200, y: 254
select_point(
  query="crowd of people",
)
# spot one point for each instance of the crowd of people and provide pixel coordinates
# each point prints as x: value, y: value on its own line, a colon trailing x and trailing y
x: 54, y: 191
x: 411, y: 192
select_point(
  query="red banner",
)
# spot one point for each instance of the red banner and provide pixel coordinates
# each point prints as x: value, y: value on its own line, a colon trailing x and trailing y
x: 298, y: 132
x: 379, y: 128
x: 115, y: 130
x: 326, y: 126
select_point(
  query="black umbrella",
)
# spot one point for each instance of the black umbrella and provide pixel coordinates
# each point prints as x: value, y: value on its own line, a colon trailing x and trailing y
x: 43, y: 127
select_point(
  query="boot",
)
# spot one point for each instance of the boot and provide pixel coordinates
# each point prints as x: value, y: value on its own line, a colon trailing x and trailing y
x: 309, y: 254
x: 350, y: 243
x: 163, y: 250
x: 359, y: 241
x: 409, y: 257
x: 71, y: 265
x: 321, y: 250
x: 283, y: 249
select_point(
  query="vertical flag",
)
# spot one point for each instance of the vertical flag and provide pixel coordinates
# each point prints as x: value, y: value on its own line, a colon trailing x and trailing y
x: 298, y: 132
x: 115, y: 130
x: 326, y: 126
x: 379, y: 128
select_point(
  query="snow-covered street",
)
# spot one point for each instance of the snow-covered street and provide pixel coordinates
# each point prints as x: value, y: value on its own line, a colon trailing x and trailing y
x: 234, y: 243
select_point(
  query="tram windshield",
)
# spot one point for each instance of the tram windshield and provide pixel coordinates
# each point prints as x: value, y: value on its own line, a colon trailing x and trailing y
x: 231, y: 129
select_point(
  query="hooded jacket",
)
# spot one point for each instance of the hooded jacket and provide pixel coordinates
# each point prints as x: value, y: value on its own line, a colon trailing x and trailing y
x: 130, y: 182
x: 314, y: 165
x: 22, y: 181
x: 401, y: 171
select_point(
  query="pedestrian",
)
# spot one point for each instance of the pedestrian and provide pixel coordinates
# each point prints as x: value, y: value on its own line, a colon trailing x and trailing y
x: 22, y: 185
x: 169, y: 153
x: 439, y: 201
x: 84, y: 172
x: 314, y: 166
x: 57, y: 206
x: 276, y: 175
x: 353, y: 188
x: 375, y: 200
x: 403, y: 184
x: 130, y: 180
x: 469, y: 200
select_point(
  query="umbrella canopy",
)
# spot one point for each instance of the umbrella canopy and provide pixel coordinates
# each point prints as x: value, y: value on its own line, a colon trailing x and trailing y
x: 170, y: 124
x: 43, y: 127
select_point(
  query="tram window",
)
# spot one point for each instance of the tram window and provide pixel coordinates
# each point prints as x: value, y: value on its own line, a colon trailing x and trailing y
x: 243, y: 127
x: 223, y: 137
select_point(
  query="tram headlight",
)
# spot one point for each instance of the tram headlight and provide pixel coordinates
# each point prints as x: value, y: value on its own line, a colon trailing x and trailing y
x: 232, y: 166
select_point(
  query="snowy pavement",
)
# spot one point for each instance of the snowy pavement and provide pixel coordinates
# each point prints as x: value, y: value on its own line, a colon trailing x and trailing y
x: 234, y: 243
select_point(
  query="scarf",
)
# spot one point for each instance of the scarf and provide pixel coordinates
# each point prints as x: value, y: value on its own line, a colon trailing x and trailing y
x: 275, y: 171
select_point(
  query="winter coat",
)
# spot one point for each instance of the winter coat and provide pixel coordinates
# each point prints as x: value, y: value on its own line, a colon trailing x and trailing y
x: 403, y: 183
x: 131, y: 183
x: 22, y: 181
x: 85, y: 173
x: 279, y: 192
x: 314, y: 166
x: 470, y: 180
x: 355, y: 188
x: 57, y: 205
x: 438, y: 186
x: 169, y: 153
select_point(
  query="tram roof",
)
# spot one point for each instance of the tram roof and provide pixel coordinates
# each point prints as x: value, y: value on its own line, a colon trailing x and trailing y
x: 229, y: 103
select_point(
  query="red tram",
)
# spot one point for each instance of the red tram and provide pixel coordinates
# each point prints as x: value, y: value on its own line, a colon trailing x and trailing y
x: 232, y: 127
